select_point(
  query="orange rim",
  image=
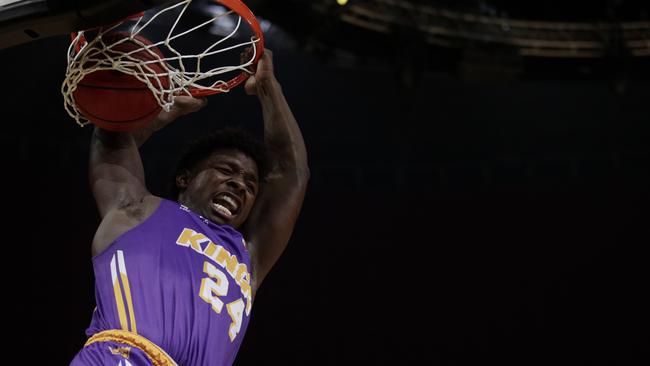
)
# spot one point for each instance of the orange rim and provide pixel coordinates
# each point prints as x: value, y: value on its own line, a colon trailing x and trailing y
x: 238, y: 7
x: 243, y: 11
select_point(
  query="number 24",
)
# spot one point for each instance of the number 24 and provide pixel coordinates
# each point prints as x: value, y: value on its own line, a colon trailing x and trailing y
x: 215, y: 285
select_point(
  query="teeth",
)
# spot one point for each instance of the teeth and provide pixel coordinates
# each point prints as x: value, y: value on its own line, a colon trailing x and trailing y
x: 222, y: 209
x: 228, y: 202
x: 232, y: 202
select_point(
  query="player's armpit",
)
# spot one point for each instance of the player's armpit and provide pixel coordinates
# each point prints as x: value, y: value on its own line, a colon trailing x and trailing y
x: 116, y: 173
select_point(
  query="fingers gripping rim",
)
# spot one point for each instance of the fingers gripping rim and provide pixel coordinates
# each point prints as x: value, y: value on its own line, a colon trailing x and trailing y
x: 238, y: 7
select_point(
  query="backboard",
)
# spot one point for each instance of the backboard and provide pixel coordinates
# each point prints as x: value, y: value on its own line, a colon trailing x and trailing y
x: 24, y: 21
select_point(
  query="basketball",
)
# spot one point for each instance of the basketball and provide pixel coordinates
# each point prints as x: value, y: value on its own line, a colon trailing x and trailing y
x: 117, y: 101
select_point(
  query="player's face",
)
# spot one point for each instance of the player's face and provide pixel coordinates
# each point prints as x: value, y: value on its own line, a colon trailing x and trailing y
x: 223, y: 187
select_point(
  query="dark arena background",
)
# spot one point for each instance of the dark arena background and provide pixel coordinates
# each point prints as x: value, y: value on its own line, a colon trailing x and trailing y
x: 479, y: 187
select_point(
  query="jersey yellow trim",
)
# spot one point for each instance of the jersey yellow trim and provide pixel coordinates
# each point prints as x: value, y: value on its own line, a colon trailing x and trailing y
x: 156, y: 355
x: 121, y: 312
x: 129, y: 301
x: 124, y: 302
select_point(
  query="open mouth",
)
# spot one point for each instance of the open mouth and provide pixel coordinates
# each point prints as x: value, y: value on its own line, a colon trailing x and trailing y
x: 226, y: 205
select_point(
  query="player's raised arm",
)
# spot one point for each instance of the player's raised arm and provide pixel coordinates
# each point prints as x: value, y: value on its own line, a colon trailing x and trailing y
x: 271, y: 222
x: 116, y: 171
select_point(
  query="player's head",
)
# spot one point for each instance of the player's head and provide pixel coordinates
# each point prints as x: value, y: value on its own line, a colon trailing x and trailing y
x: 219, y: 175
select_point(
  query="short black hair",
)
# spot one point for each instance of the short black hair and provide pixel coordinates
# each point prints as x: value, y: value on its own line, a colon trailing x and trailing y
x: 226, y: 138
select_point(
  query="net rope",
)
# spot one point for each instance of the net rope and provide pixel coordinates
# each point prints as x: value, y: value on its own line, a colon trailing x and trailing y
x: 186, y: 78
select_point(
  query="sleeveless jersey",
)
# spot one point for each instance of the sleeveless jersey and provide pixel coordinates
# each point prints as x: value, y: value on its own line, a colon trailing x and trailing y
x: 180, y: 281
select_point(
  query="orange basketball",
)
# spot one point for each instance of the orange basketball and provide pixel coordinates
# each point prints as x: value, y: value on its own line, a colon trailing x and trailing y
x: 117, y: 101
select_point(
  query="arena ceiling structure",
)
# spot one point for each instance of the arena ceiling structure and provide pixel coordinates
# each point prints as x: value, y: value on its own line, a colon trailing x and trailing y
x: 475, y: 39
x: 478, y: 40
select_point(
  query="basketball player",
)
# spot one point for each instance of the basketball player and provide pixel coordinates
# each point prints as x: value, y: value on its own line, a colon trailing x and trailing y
x: 175, y: 281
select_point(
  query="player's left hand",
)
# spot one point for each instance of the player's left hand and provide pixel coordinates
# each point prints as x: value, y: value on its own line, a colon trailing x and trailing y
x: 263, y: 71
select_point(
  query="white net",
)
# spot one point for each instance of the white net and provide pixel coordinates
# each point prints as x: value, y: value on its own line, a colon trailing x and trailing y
x: 166, y: 66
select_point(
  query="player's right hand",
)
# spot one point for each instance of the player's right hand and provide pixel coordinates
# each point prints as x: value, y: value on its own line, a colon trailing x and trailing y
x: 182, y: 105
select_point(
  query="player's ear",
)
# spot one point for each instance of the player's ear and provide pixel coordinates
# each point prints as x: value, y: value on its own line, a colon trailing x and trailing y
x: 183, y: 179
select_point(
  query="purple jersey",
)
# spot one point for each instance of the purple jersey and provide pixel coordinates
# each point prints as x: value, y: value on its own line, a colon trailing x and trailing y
x: 180, y: 281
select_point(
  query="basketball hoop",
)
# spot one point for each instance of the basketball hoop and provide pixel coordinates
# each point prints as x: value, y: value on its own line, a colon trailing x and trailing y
x: 161, y: 64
